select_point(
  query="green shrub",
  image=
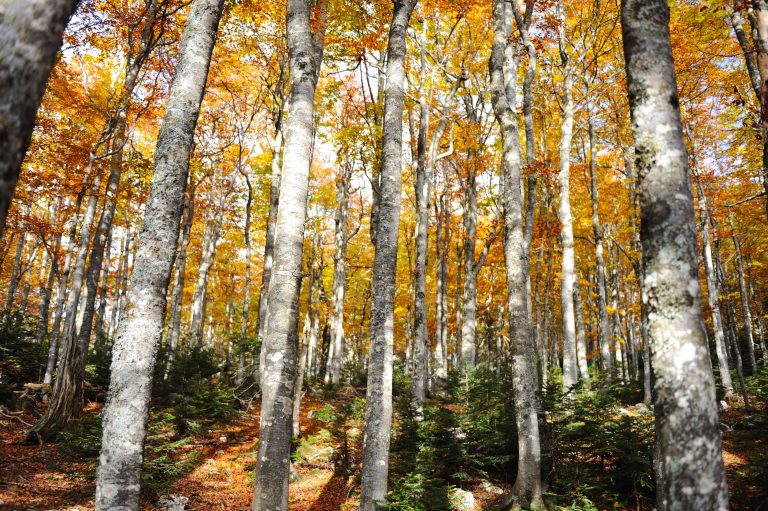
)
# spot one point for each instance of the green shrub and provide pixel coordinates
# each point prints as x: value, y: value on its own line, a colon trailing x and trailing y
x: 597, y: 445
x: 22, y: 360
x: 488, y: 421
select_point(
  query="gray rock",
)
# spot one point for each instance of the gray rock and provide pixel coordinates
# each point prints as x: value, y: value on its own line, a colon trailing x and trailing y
x: 491, y: 488
x: 172, y: 503
x: 462, y: 500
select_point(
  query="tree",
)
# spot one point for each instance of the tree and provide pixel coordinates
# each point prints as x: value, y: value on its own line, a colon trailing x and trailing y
x: 690, y: 471
x: 140, y: 330
x: 31, y: 34
x: 526, y: 493
x: 378, y: 405
x: 305, y: 54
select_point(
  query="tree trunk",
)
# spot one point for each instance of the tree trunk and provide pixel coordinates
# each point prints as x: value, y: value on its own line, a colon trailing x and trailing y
x: 47, y: 289
x: 527, y: 491
x: 15, y: 276
x: 442, y: 240
x: 210, y: 240
x: 745, y: 309
x: 305, y: 53
x: 378, y: 406
x: 567, y: 274
x: 174, y: 327
x: 31, y: 34
x: 760, y: 26
x: 581, y: 338
x: 690, y: 459
x: 603, y: 328
x: 269, y: 243
x: 713, y: 290
x: 340, y: 270
x: 247, y: 292
x: 66, y: 398
x: 140, y: 330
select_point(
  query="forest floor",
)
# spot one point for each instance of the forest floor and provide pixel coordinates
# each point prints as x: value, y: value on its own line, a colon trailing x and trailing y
x: 44, y: 477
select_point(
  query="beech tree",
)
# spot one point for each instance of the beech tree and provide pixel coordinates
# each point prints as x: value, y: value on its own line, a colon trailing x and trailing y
x: 526, y: 493
x: 689, y: 461
x: 138, y: 337
x: 378, y: 404
x: 31, y: 34
x: 305, y: 54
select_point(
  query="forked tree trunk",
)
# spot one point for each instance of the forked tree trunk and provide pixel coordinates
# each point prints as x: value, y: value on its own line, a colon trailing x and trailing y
x: 30, y: 36
x: 527, y: 490
x: 305, y: 54
x: 133, y: 355
x: 378, y: 405
x: 690, y: 465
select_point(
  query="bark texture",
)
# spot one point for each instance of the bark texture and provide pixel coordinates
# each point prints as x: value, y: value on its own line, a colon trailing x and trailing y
x: 30, y: 36
x: 141, y: 325
x: 378, y: 406
x: 305, y: 53
x: 690, y: 471
x: 527, y: 490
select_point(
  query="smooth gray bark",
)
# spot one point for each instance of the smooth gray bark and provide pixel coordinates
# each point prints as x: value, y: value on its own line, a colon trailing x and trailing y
x: 568, y: 261
x: 174, y: 324
x: 210, y: 241
x: 713, y: 294
x: 305, y: 54
x: 690, y: 466
x: 30, y: 37
x: 527, y: 490
x: 378, y: 406
x: 138, y: 336
x: 746, y: 311
x: 135, y: 60
x: 341, y: 238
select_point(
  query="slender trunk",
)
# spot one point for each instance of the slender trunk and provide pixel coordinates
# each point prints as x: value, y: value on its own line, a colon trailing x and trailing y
x: 567, y: 273
x: 66, y: 398
x: 210, y: 240
x: 713, y: 290
x: 690, y: 462
x: 15, y: 275
x: 469, y: 315
x: 378, y: 406
x: 745, y: 309
x: 305, y: 53
x: 47, y: 289
x: 760, y: 31
x: 247, y: 292
x: 269, y: 243
x: 441, y: 305
x: 340, y: 271
x: 603, y: 329
x: 423, y: 191
x: 174, y: 327
x: 141, y: 325
x: 581, y: 338
x: 527, y: 490
x: 31, y: 37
